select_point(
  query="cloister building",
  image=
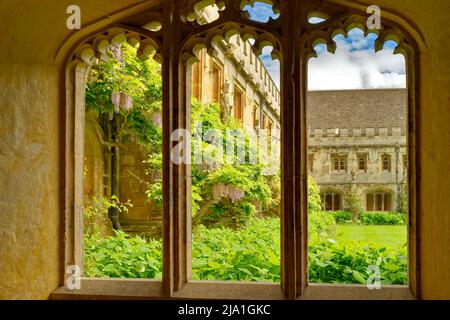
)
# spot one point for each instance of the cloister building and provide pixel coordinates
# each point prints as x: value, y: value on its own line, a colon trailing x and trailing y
x: 357, y: 143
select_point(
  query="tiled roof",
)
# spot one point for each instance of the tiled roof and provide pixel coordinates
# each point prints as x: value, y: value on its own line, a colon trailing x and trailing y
x: 371, y: 108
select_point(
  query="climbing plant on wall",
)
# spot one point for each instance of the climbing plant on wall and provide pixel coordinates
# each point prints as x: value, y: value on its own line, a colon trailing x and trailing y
x: 125, y: 93
x: 130, y: 89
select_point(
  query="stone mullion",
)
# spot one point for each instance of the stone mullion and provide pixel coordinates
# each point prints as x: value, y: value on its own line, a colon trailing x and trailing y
x: 79, y: 69
x: 69, y: 236
x: 178, y: 87
x: 169, y: 90
x: 302, y: 55
x: 288, y: 83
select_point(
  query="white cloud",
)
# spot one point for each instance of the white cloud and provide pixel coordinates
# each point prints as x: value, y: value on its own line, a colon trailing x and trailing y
x: 355, y: 65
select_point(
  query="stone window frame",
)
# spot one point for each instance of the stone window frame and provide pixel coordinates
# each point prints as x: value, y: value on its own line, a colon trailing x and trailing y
x: 365, y: 159
x: 256, y: 116
x: 334, y: 195
x: 310, y: 163
x: 405, y: 163
x: 384, y: 195
x: 341, y: 160
x: 386, y: 163
x: 241, y: 91
x: 215, y: 64
x: 294, y: 282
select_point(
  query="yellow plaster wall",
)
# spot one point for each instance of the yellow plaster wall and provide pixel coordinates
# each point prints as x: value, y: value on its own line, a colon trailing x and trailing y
x: 30, y: 137
x: 30, y: 210
x: 31, y: 133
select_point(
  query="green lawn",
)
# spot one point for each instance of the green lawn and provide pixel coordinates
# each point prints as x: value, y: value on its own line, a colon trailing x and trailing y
x: 385, y: 235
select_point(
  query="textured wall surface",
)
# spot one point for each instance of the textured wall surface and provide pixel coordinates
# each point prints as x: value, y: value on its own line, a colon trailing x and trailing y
x: 33, y: 32
x: 30, y: 209
x: 366, y: 109
x: 30, y: 143
x: 250, y: 79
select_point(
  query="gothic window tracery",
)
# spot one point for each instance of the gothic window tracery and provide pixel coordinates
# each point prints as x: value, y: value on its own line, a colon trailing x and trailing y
x: 225, y: 19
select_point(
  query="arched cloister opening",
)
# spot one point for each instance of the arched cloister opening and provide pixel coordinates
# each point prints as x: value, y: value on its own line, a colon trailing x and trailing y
x: 379, y: 201
x: 233, y: 104
x: 180, y: 38
x: 332, y: 199
x: 344, y: 148
x: 116, y: 103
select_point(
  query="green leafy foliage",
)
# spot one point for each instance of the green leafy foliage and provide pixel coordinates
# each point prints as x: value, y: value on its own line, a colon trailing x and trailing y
x: 342, y: 217
x: 314, y: 201
x: 354, y: 205
x: 155, y: 193
x: 250, y: 253
x: 125, y: 73
x: 122, y: 256
x: 371, y: 218
x: 96, y: 214
x: 331, y: 262
x: 247, y: 177
x: 382, y: 218
x: 321, y: 225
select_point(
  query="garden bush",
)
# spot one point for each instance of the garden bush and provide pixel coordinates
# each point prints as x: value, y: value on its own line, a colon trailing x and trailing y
x: 370, y: 218
x: 122, y: 256
x: 342, y: 217
x: 250, y: 253
x: 382, y: 218
x: 321, y: 224
x: 331, y: 262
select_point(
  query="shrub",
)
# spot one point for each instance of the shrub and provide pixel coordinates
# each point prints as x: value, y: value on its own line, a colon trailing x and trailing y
x: 354, y: 205
x: 250, y: 253
x: 96, y: 219
x: 342, y: 217
x: 331, y: 262
x: 122, y: 256
x: 382, y: 218
x: 371, y: 218
x: 314, y: 202
x: 321, y: 224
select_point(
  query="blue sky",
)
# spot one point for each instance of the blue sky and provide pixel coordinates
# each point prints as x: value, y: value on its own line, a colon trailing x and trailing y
x: 355, y: 65
x: 260, y: 12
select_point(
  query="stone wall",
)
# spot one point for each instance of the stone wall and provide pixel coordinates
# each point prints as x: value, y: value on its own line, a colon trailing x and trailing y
x: 351, y: 123
x: 241, y: 69
x: 357, y: 109
x: 144, y: 217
